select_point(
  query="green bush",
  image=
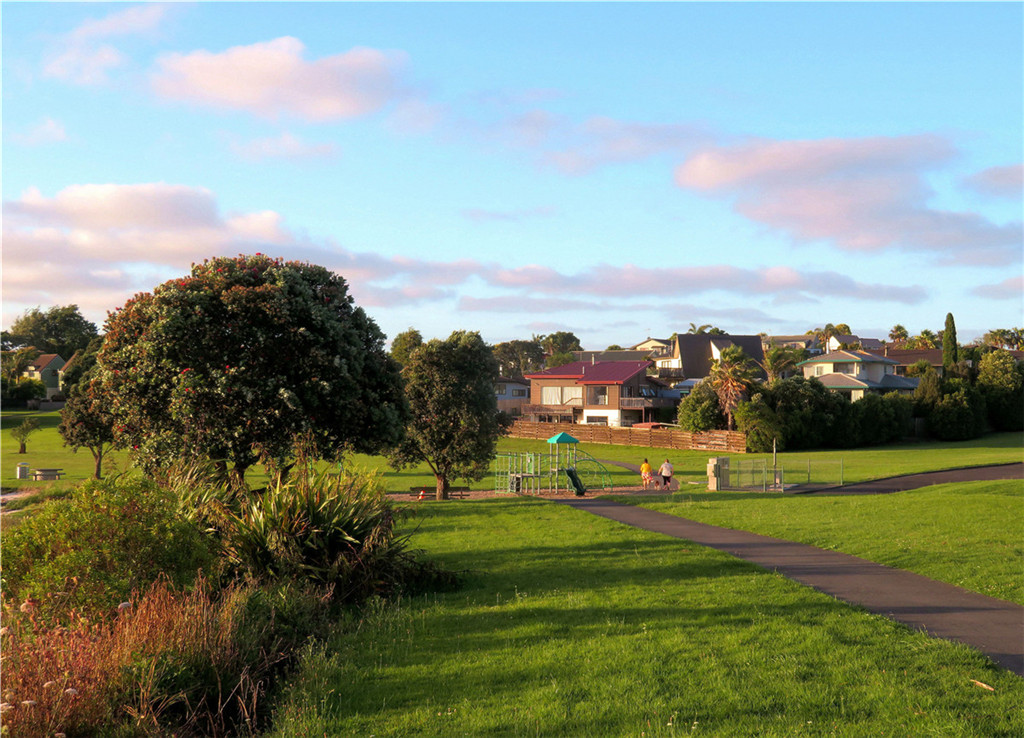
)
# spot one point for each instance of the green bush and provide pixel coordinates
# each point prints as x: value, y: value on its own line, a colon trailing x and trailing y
x: 700, y: 410
x: 960, y: 413
x: 336, y: 532
x: 761, y: 425
x: 1001, y: 381
x: 92, y: 550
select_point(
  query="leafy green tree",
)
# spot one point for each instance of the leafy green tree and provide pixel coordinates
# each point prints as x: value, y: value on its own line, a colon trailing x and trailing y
x: 761, y: 424
x: 517, y: 357
x: 949, y: 344
x: 919, y: 368
x: 700, y: 410
x: 559, y: 342
x: 17, y: 361
x: 455, y: 423
x: 26, y: 389
x: 732, y: 373
x: 559, y: 359
x: 404, y: 344
x: 23, y: 430
x: 58, y: 330
x: 80, y: 363
x: 1001, y: 381
x: 928, y: 392
x: 959, y: 414
x: 243, y: 356
x: 614, y: 347
x: 86, y: 422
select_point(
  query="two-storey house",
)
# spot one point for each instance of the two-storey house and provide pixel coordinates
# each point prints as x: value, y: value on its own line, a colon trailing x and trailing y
x: 615, y: 393
x: 855, y: 373
x: 512, y: 394
x: 691, y: 355
x: 47, y: 369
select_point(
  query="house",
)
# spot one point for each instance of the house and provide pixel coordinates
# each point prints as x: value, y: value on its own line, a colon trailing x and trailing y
x: 847, y: 341
x: 692, y: 354
x: 654, y: 345
x: 807, y: 342
x: 855, y: 373
x: 613, y: 355
x: 512, y: 394
x: 616, y: 393
x: 47, y: 369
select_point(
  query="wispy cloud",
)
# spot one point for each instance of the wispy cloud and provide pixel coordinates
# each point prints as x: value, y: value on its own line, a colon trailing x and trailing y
x: 47, y: 131
x: 1005, y: 181
x: 273, y: 79
x: 867, y: 194
x: 107, y: 241
x: 286, y: 146
x: 86, y: 58
x: 1011, y: 288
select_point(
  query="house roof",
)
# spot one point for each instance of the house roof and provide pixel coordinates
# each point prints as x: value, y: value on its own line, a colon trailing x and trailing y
x: 847, y: 355
x: 912, y: 356
x: 848, y: 381
x: 507, y: 380
x: 807, y: 339
x: 615, y: 355
x: 695, y: 355
x: 649, y: 339
x: 42, y: 361
x: 601, y: 372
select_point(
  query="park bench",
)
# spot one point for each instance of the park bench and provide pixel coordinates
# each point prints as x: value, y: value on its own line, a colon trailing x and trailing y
x: 46, y: 474
x: 458, y: 493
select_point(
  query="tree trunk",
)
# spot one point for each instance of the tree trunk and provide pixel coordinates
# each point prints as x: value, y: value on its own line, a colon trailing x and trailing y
x: 442, y: 487
x: 98, y: 456
x: 21, y: 448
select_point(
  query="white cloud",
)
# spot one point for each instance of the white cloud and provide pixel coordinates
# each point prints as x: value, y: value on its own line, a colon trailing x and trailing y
x: 865, y: 194
x: 45, y: 132
x: 285, y: 146
x: 85, y: 59
x: 1011, y: 288
x: 272, y: 79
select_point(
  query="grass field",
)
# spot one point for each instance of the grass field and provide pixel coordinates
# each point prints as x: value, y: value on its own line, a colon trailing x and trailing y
x: 46, y: 449
x: 970, y: 535
x: 572, y: 625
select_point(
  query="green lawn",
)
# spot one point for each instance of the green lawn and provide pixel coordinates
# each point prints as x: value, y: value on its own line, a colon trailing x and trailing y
x: 572, y: 625
x: 970, y: 535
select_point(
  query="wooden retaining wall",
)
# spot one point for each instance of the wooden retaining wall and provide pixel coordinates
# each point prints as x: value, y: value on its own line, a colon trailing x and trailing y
x: 732, y: 442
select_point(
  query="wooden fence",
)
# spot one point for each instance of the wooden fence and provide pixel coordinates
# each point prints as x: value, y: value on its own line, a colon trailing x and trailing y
x: 732, y: 442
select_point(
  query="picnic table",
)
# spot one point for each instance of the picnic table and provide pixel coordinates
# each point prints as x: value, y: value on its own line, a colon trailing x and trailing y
x: 46, y: 474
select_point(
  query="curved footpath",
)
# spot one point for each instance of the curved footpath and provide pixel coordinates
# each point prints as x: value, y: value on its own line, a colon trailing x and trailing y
x: 994, y: 627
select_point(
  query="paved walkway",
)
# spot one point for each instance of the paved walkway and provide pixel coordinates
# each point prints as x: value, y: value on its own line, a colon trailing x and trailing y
x: 994, y: 627
x: 926, y: 479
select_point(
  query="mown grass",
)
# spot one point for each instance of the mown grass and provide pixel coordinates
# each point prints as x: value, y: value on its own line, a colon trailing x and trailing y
x: 572, y: 625
x: 968, y: 534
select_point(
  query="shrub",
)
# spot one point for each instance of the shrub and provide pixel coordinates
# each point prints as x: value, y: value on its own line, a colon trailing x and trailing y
x: 26, y: 389
x: 1001, y: 381
x: 700, y: 410
x: 761, y: 425
x: 331, y: 531
x: 959, y: 414
x: 108, y: 539
x: 196, y: 662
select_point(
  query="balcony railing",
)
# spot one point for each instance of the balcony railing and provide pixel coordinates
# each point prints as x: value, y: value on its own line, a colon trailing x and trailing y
x: 641, y: 403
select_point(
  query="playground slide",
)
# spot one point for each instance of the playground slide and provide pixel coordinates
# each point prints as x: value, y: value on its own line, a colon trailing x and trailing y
x: 576, y: 482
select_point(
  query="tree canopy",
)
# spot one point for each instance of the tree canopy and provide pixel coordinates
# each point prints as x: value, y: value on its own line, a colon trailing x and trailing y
x: 243, y: 356
x: 516, y: 358
x: 58, y: 330
x: 455, y: 422
x: 404, y: 344
x: 559, y: 342
x: 731, y: 375
x: 86, y: 422
x: 949, y: 344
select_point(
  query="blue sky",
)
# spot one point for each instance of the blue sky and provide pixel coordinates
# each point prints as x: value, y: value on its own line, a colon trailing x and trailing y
x: 617, y: 170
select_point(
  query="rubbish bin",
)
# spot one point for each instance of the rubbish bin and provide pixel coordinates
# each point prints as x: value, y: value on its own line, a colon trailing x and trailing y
x: 23, y: 470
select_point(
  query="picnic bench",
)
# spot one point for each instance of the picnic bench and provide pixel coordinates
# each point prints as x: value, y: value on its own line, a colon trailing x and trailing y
x: 46, y: 474
x: 419, y: 492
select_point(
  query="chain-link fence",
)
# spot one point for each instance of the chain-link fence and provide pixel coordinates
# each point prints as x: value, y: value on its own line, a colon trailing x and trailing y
x: 758, y: 474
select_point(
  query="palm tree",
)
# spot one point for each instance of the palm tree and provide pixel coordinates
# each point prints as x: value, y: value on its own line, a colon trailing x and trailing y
x: 777, y: 361
x: 731, y: 375
x: 927, y: 339
x: 823, y: 334
x: 699, y: 329
x: 898, y: 334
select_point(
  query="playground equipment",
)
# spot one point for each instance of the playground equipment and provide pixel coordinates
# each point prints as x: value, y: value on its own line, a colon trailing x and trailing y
x: 564, y: 468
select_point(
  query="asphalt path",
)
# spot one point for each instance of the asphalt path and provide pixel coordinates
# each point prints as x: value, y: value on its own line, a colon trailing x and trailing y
x: 994, y: 627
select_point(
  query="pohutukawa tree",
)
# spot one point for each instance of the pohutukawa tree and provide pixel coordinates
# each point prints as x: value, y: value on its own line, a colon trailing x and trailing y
x: 455, y: 422
x: 240, y: 358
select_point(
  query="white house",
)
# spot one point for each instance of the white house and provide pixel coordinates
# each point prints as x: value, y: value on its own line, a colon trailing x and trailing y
x: 855, y: 373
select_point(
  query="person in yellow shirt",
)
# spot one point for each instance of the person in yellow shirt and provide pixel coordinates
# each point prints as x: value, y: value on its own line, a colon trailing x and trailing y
x: 646, y: 473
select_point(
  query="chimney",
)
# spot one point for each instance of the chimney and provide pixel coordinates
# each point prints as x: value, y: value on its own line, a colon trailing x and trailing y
x: 593, y: 359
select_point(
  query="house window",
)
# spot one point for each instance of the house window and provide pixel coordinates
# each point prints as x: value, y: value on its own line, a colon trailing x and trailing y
x: 551, y: 396
x: 499, y: 389
x: 597, y: 420
x: 845, y: 368
x: 597, y: 395
x: 519, y: 393
x: 819, y: 370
